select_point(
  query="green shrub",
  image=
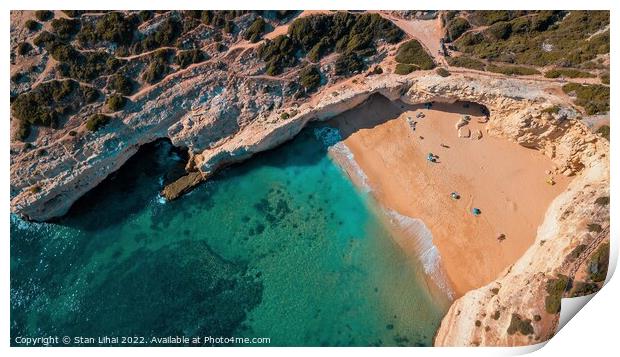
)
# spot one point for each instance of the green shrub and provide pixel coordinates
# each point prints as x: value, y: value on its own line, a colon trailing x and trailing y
x: 42, y: 105
x: 185, y: 58
x: 599, y: 263
x: 318, y: 35
x: 90, y: 65
x: 17, y: 77
x: 97, y: 121
x: 555, y: 289
x: 23, y: 48
x: 121, y: 84
x: 116, y: 102
x: 466, y: 62
x: 412, y: 52
x: 499, y: 30
x: 512, y: 70
x: 44, y: 39
x: 541, y: 38
x: 115, y: 27
x: 605, y: 78
x: 552, y: 109
x: 567, y: 72
x: 521, y: 325
x: 278, y: 53
x: 582, y: 289
x: 154, y: 72
x: 165, y: 35
x: 256, y: 30
x: 73, y: 13
x: 32, y: 25
x: 402, y: 68
x: 310, y: 78
x: 43, y: 15
x: 443, y: 72
x: 65, y: 28
x: 489, y: 17
x: 349, y: 63
x: 593, y: 98
x: 284, y: 116
x: 604, y: 131
x: 456, y: 28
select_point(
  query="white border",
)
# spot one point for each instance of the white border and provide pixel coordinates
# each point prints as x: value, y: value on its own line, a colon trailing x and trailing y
x: 590, y: 332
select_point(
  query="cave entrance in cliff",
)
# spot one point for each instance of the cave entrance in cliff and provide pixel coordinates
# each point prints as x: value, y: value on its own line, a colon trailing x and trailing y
x: 125, y: 191
x: 378, y: 110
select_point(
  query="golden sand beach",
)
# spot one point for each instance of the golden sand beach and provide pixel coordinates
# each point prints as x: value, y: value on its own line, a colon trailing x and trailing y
x: 507, y: 182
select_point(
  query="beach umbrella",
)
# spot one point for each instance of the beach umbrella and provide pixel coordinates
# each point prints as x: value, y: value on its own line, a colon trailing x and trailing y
x: 476, y: 211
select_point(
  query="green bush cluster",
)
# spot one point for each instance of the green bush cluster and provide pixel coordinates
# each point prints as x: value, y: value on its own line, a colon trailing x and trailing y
x: 116, y: 102
x: 218, y: 18
x: 604, y: 131
x: 456, y: 27
x: 512, y: 70
x: 594, y: 98
x: 97, y: 121
x: 605, y: 78
x: 443, y: 72
x: 310, y: 78
x: 185, y: 58
x: 567, y: 72
x: 73, y: 13
x: 256, y: 30
x: 353, y: 35
x: 489, y: 17
x: 32, y: 25
x: 43, y: 15
x: 43, y: 105
x: 521, y: 325
x: 23, y: 48
x: 412, y: 52
x: 552, y: 109
x: 403, y: 68
x: 599, y: 263
x: 65, y: 29
x: 121, y: 84
x: 165, y: 35
x: 466, y: 62
x: 349, y: 63
x: 555, y: 290
x: 74, y: 64
x: 157, y: 68
x: 541, y: 38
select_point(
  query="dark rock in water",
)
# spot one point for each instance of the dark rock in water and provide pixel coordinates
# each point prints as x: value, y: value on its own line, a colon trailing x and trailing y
x: 182, y: 185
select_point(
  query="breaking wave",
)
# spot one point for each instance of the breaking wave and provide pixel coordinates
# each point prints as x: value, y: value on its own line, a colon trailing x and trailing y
x: 426, y: 250
x: 332, y: 140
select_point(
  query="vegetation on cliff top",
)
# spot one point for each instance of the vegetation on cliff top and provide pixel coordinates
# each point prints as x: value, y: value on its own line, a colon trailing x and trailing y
x: 537, y: 38
x: 594, y: 98
x: 352, y: 35
x: 47, y: 103
x: 413, y: 53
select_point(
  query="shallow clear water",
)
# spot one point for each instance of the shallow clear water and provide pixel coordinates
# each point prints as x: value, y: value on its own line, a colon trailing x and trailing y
x: 282, y: 246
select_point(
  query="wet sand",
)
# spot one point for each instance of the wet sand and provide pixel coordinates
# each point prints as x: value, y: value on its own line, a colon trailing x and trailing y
x: 506, y: 181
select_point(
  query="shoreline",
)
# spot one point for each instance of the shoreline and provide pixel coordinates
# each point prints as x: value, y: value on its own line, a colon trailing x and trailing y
x: 392, y: 159
x: 437, y: 282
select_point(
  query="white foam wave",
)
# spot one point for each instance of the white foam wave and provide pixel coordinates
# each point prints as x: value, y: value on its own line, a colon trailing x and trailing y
x: 332, y: 140
x: 426, y: 250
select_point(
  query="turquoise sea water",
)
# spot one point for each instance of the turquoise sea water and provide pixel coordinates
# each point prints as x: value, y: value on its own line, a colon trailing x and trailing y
x: 282, y: 246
